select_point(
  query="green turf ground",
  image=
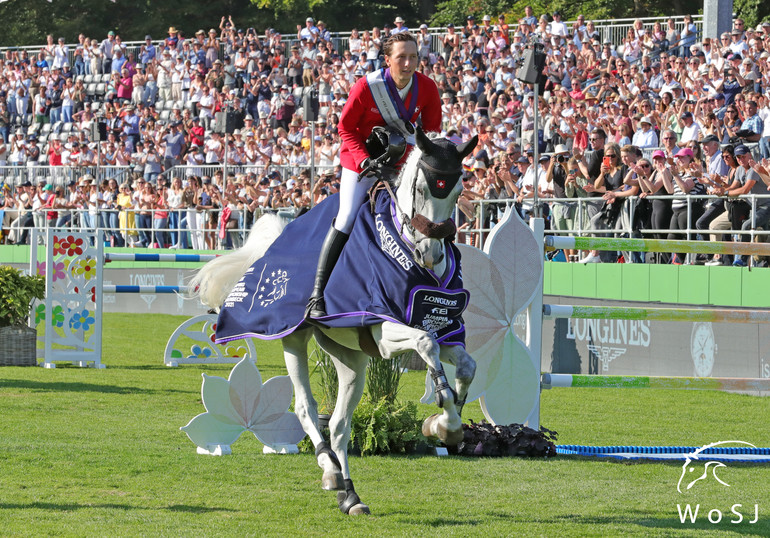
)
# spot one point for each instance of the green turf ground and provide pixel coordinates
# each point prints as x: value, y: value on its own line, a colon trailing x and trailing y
x: 88, y: 452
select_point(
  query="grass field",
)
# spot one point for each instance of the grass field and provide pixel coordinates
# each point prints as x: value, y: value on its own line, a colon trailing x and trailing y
x: 88, y: 452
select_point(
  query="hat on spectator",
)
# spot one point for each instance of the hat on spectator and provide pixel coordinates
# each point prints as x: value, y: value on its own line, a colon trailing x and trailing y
x: 709, y: 138
x: 110, y: 33
x: 263, y: 136
x: 71, y: 183
x: 450, y: 25
x: 196, y: 120
x: 263, y: 115
x: 736, y: 32
x: 423, y: 26
x: 544, y: 157
x: 148, y: 36
x: 560, y: 148
x: 646, y: 119
x: 522, y: 160
x: 310, y: 19
x: 291, y: 184
x: 48, y: 187
x: 658, y: 154
x: 470, y: 18
x: 742, y: 150
x: 479, y: 165
x: 398, y: 19
x: 248, y: 117
x: 275, y: 183
x: 172, y: 30
x: 486, y: 18
x: 684, y: 152
x: 719, y: 97
x: 686, y: 115
x: 735, y: 57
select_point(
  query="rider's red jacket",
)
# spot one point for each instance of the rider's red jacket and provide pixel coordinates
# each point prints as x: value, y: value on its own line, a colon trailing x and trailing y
x: 360, y: 115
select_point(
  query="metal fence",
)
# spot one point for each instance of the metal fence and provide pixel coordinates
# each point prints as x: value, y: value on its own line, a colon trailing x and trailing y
x: 190, y: 228
x: 488, y: 212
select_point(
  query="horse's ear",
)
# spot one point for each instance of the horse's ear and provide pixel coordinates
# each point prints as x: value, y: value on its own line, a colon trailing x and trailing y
x: 465, y: 148
x: 423, y: 142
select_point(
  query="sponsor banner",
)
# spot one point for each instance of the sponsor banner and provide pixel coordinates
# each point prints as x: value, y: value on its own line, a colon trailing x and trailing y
x: 656, y: 348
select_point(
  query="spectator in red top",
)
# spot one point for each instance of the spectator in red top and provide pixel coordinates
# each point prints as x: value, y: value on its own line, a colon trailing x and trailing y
x: 125, y: 86
x: 197, y: 132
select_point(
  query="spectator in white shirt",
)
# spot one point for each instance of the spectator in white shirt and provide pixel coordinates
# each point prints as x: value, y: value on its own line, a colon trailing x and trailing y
x: 690, y: 129
x: 645, y: 137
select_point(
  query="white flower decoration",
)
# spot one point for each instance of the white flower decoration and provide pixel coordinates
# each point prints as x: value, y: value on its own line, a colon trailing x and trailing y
x: 502, y: 281
x: 242, y: 403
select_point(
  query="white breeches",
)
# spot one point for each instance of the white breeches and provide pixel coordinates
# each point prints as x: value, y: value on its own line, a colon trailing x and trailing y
x: 352, y: 195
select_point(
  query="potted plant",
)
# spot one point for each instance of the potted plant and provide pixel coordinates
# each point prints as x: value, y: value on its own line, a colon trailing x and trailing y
x: 17, y: 341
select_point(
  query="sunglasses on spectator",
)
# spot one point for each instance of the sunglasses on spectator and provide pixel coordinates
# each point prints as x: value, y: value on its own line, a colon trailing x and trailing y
x: 610, y: 155
x: 574, y: 170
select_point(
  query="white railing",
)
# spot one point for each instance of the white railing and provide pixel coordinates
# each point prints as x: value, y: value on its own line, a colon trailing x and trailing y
x: 482, y: 222
x: 202, y: 233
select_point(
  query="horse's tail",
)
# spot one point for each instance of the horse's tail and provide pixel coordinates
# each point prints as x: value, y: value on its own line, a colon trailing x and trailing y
x: 213, y: 282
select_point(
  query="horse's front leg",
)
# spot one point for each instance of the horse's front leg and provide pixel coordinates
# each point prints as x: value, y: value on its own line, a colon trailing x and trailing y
x: 394, y: 338
x: 306, y: 409
x: 465, y: 370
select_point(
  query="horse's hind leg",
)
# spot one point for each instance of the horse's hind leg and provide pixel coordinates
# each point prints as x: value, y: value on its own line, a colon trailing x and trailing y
x: 351, y: 372
x: 306, y: 409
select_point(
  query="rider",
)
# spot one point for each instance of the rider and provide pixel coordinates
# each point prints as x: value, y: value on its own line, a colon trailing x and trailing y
x: 396, y: 97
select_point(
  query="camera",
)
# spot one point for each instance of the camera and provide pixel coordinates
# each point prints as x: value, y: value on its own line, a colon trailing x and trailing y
x: 561, y: 158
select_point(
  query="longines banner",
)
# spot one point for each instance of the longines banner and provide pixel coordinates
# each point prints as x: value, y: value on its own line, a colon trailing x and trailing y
x: 658, y: 348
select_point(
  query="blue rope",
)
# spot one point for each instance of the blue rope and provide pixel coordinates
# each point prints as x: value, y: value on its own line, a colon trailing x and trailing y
x: 650, y: 452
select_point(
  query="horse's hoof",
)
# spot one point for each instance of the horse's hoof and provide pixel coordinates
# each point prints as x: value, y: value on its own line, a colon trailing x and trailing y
x: 359, y: 510
x: 449, y: 437
x: 332, y: 481
x: 432, y: 427
x: 428, y: 427
x: 350, y: 504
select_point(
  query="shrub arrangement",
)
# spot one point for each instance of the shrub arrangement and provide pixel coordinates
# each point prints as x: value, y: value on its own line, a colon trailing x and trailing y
x: 17, y: 291
x: 486, y: 439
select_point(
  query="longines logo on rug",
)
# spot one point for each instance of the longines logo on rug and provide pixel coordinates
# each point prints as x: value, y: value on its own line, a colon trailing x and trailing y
x: 697, y: 470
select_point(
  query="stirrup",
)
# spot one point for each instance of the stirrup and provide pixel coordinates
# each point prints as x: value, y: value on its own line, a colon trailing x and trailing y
x: 316, y: 308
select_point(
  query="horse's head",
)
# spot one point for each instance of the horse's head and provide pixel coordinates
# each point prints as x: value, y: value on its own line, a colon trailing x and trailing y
x: 428, y: 188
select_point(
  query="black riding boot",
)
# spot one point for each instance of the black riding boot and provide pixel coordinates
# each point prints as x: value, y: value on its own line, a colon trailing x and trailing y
x: 330, y: 253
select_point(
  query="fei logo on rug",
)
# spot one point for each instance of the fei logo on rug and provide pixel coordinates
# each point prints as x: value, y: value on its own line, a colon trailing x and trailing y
x: 698, y: 467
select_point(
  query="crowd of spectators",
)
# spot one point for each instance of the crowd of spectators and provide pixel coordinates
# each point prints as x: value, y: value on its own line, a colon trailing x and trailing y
x: 664, y: 97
